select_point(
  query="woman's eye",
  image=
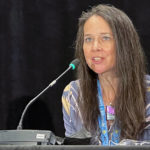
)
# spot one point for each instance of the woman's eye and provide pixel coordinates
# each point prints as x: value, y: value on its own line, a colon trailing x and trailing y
x: 106, y: 38
x: 88, y: 39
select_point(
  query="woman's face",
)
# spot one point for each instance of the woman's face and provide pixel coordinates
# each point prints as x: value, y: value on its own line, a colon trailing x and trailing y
x: 99, y: 45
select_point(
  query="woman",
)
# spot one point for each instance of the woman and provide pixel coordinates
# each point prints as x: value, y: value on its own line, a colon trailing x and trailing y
x: 111, y: 99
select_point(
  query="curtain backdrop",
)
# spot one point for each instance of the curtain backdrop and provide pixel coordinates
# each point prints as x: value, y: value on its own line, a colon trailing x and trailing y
x: 36, y: 45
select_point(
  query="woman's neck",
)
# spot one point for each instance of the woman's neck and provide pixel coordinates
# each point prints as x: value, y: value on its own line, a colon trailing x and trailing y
x: 109, y: 86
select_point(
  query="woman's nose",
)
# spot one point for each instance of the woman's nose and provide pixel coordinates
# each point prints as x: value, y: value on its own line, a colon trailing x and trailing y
x: 96, y: 45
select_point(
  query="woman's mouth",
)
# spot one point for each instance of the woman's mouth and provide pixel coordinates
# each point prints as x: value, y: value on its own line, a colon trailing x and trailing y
x: 97, y: 60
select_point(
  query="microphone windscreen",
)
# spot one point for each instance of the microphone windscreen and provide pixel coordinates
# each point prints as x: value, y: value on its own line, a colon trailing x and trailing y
x: 74, y: 63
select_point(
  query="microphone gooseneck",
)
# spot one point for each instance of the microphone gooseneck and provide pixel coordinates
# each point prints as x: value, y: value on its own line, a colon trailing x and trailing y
x: 72, y: 66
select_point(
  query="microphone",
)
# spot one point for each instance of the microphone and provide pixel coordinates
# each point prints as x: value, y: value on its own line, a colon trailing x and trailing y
x: 72, y: 66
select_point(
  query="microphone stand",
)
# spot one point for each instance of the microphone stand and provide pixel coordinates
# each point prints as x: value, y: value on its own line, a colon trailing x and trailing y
x: 19, y: 127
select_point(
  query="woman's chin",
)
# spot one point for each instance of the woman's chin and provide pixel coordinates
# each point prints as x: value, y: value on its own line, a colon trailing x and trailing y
x: 104, y: 71
x: 98, y: 71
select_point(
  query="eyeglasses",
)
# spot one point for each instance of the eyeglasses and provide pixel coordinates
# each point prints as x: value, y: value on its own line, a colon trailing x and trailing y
x: 103, y: 39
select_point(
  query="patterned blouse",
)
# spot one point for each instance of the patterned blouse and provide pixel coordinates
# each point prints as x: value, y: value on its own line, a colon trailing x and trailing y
x: 73, y: 119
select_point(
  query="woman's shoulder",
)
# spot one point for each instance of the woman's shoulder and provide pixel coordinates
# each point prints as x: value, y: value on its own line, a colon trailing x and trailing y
x: 72, y: 87
x: 70, y: 96
x: 147, y: 78
x: 71, y: 92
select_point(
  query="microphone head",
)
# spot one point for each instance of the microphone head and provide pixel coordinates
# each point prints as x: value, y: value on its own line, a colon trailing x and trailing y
x: 74, y: 64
